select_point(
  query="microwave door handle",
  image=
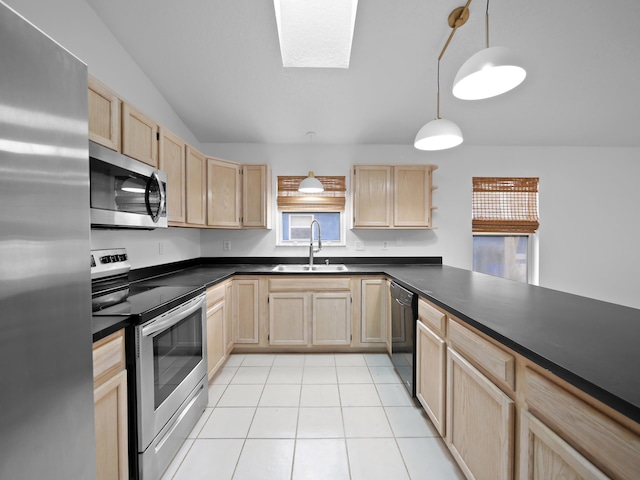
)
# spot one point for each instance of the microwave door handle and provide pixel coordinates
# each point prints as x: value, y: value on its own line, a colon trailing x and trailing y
x: 160, y: 325
x: 163, y: 198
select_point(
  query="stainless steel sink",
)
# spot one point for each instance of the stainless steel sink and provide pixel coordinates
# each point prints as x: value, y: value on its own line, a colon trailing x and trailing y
x: 296, y: 268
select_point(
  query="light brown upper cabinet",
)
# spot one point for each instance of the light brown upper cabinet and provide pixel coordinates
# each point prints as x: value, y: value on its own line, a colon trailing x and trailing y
x: 256, y: 196
x: 196, y: 187
x: 396, y: 196
x: 238, y: 196
x: 104, y: 115
x: 172, y: 160
x: 224, y: 191
x: 139, y: 135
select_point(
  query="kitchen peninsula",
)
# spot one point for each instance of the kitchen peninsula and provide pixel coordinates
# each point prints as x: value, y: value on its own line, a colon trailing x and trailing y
x: 582, y: 348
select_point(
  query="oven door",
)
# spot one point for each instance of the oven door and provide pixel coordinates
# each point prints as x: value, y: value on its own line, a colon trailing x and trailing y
x: 124, y: 192
x: 171, y: 363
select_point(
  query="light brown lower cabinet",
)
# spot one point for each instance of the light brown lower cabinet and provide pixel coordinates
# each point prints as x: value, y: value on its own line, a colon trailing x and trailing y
x: 246, y: 310
x: 479, y: 422
x: 216, y: 348
x: 288, y: 318
x: 373, y: 320
x: 544, y: 455
x: 430, y: 374
x: 110, y: 408
x: 331, y: 318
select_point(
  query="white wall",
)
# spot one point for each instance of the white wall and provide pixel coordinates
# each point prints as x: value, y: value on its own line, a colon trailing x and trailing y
x: 74, y: 25
x: 589, y: 200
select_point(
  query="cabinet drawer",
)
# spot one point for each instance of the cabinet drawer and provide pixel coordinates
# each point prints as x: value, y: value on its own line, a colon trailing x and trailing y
x: 215, y: 294
x: 496, y: 363
x: 608, y: 445
x: 309, y: 284
x: 108, y: 357
x: 431, y: 316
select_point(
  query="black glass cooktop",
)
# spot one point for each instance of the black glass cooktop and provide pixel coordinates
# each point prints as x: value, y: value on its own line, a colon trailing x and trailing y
x: 146, y: 302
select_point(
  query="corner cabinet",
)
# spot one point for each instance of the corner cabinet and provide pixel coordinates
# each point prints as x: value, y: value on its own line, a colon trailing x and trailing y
x: 238, y: 196
x: 110, y: 406
x: 396, y: 197
x: 223, y: 193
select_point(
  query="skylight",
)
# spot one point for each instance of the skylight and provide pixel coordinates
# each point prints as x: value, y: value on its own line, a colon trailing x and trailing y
x: 315, y: 33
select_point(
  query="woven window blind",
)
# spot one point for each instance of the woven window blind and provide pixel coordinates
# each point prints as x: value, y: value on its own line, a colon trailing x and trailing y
x: 332, y: 199
x: 503, y: 204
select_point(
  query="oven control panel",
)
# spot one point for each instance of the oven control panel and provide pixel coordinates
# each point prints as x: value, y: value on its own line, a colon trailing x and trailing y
x: 109, y: 262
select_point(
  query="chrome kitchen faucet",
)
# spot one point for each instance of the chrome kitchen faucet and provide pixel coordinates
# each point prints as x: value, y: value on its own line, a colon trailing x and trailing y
x: 313, y: 250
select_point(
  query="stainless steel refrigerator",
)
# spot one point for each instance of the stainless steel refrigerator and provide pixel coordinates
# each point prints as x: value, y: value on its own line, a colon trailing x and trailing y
x: 46, y: 385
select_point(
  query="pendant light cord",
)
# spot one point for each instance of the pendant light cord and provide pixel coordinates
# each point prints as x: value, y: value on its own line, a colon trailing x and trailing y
x: 438, y: 97
x: 486, y: 24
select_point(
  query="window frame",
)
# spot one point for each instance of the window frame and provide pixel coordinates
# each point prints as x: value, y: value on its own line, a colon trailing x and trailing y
x: 280, y: 242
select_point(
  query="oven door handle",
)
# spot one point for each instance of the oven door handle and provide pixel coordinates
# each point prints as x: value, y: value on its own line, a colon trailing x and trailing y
x: 173, y: 317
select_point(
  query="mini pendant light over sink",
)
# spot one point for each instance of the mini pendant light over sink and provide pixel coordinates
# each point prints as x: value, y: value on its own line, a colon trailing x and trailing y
x: 489, y: 72
x: 311, y: 185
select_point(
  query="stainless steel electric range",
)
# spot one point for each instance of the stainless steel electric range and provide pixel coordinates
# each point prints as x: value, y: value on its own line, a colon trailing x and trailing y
x: 166, y: 358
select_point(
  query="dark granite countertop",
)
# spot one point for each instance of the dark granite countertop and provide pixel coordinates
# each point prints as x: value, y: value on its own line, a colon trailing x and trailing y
x: 592, y: 344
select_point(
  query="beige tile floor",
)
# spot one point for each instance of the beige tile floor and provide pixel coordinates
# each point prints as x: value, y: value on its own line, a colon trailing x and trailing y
x: 311, y: 416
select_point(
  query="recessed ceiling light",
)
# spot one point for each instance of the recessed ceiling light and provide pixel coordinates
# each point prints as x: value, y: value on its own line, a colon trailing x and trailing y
x: 315, y: 33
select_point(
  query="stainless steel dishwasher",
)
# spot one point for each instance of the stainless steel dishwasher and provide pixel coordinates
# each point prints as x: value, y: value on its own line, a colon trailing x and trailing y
x: 404, y: 313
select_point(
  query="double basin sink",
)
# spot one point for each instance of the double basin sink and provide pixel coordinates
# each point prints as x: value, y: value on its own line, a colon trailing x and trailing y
x: 306, y: 268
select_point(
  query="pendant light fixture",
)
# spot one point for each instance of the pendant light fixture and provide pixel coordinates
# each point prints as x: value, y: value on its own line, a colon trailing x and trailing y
x: 441, y: 134
x: 311, y: 184
x: 490, y: 72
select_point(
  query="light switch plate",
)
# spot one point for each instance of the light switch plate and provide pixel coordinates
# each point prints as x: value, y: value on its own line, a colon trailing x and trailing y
x: 359, y: 245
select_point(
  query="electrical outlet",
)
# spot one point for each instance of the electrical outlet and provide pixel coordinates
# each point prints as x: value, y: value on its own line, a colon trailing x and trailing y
x: 359, y: 245
x: 385, y: 245
x: 160, y: 248
x: 226, y: 245
x: 399, y: 241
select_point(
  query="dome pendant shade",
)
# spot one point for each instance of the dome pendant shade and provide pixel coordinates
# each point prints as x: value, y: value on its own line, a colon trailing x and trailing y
x: 438, y: 134
x: 311, y: 185
x: 488, y: 73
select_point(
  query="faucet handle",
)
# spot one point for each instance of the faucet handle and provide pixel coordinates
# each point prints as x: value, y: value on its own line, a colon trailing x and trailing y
x: 326, y: 261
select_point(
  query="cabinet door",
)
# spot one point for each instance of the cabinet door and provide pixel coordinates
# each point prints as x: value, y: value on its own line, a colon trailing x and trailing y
x: 196, y: 187
x: 412, y: 196
x: 172, y: 160
x: 245, y: 311
x: 223, y: 194
x: 372, y: 196
x: 288, y: 318
x: 256, y: 196
x: 110, y: 406
x: 544, y: 455
x: 215, y: 338
x: 331, y: 318
x: 373, y: 311
x: 139, y: 136
x: 104, y: 115
x: 479, y: 422
x: 430, y: 374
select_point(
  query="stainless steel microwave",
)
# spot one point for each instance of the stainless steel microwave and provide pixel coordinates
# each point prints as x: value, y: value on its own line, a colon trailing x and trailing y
x: 125, y: 193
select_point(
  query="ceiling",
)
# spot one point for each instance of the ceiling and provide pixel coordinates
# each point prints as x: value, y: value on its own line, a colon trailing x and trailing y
x: 217, y: 62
